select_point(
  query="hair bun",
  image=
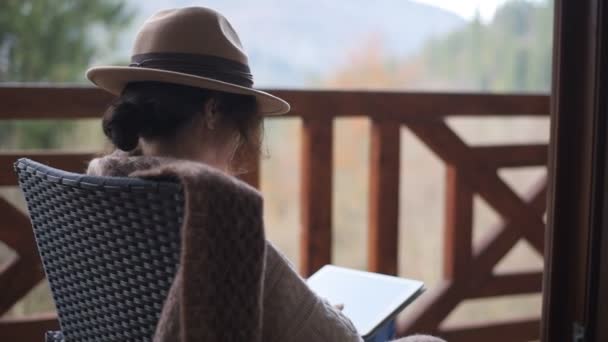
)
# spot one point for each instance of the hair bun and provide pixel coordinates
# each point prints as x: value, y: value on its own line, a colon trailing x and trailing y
x: 123, y: 123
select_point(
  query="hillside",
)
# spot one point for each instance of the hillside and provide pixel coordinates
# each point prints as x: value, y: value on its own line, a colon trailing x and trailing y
x: 292, y: 42
x: 512, y: 53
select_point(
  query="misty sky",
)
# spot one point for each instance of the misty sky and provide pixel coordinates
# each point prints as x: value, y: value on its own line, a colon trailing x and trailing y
x: 467, y: 8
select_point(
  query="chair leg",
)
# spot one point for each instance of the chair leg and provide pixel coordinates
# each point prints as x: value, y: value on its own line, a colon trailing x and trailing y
x: 54, y: 336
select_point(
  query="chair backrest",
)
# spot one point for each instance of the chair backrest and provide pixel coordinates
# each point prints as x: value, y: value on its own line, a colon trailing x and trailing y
x: 109, y: 246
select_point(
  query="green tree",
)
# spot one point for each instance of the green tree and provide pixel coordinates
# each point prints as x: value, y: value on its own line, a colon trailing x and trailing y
x: 510, y: 53
x: 53, y: 41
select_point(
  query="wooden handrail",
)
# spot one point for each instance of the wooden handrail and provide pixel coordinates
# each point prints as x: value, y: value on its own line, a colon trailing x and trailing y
x: 65, y: 160
x: 37, y: 102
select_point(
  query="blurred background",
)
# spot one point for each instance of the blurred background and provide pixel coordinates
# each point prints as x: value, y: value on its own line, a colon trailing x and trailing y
x: 491, y: 46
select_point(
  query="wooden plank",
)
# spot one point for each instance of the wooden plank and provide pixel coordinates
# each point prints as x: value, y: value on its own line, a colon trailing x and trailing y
x: 28, y: 329
x: 64, y: 160
x: 36, y: 102
x: 438, y: 303
x: 458, y: 232
x: 495, y: 246
x: 17, y: 278
x: 432, y: 308
x: 16, y: 229
x: 510, y: 284
x: 515, y: 330
x: 411, y: 105
x: 26, y: 101
x: 513, y: 155
x: 316, y: 194
x: 449, y: 147
x: 383, y: 231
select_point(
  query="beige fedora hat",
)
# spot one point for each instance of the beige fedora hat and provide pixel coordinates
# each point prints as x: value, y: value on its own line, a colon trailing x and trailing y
x: 193, y: 46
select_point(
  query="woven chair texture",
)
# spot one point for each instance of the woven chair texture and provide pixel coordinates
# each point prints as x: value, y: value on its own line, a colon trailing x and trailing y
x: 109, y: 247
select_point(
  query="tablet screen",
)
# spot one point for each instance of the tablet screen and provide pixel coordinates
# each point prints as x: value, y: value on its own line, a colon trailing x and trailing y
x: 370, y: 299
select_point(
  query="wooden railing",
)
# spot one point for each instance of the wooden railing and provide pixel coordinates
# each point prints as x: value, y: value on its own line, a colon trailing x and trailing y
x: 467, y: 271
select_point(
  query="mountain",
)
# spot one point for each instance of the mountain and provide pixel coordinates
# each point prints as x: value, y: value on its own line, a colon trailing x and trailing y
x: 292, y: 42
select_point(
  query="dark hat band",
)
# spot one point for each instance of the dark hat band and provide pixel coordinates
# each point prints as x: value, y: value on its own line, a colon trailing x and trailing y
x: 208, y: 66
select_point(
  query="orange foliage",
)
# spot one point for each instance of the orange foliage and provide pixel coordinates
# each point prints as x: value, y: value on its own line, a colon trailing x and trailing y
x: 371, y: 66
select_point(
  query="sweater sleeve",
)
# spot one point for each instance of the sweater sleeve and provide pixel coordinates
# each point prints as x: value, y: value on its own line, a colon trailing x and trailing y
x: 292, y: 312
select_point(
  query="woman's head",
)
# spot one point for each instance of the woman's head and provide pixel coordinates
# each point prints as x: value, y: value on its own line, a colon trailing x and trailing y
x: 192, y: 46
x: 186, y: 122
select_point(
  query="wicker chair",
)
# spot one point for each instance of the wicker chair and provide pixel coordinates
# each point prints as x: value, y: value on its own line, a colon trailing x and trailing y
x: 109, y: 246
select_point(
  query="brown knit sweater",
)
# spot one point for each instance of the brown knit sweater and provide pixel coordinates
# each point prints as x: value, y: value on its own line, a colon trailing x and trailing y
x: 232, y: 284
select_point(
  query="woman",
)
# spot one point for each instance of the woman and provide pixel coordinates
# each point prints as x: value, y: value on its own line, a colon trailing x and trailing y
x: 188, y: 96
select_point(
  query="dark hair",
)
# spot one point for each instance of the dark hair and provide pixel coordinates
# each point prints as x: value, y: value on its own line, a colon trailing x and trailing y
x: 159, y: 110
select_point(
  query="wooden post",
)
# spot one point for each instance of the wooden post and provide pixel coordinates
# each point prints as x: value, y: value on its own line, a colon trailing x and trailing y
x: 383, y: 230
x: 458, y: 225
x: 316, y: 191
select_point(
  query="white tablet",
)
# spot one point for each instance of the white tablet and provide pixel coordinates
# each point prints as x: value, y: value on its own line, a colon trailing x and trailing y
x: 370, y: 299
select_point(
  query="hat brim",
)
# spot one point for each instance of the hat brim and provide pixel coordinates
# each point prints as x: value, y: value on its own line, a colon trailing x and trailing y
x: 114, y: 79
